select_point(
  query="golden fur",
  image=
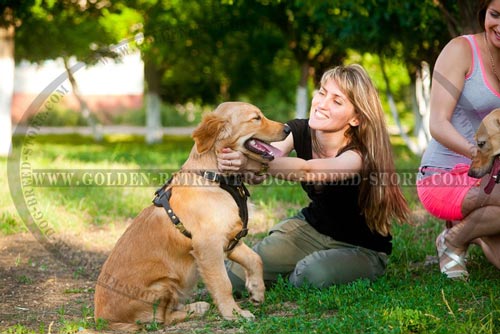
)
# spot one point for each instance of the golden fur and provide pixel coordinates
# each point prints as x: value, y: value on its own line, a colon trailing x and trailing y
x: 153, y: 266
x: 488, y: 140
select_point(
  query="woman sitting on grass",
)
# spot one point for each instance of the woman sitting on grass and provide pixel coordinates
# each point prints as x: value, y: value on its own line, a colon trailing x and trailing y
x: 344, y: 163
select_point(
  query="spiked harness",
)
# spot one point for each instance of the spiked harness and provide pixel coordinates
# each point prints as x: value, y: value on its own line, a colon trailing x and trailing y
x: 233, y: 184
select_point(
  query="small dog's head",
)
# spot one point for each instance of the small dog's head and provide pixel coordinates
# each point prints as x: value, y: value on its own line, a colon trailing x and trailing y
x: 488, y: 145
x: 242, y: 127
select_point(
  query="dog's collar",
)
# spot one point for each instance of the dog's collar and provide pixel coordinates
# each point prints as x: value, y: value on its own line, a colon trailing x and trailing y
x: 494, y: 176
x: 229, y: 179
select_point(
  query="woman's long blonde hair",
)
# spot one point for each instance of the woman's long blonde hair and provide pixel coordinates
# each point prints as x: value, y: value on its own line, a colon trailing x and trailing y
x: 380, y: 195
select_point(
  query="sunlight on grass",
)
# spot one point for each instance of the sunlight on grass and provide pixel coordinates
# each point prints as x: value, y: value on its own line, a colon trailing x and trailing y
x: 413, y: 296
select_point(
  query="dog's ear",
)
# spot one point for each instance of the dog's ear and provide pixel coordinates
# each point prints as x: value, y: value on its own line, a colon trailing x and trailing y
x: 211, y: 128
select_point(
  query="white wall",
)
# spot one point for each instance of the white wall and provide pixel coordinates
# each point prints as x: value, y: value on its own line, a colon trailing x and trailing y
x: 105, y: 78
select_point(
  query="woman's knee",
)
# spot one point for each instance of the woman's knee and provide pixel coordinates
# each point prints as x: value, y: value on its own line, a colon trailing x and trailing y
x: 325, y: 268
x: 306, y: 274
x: 277, y: 259
x: 280, y: 251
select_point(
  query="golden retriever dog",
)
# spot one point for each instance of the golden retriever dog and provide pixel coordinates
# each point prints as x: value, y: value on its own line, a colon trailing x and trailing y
x: 159, y: 258
x: 487, y: 158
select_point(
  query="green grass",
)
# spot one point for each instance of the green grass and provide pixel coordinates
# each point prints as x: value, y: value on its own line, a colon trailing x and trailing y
x: 413, y: 297
x: 189, y: 114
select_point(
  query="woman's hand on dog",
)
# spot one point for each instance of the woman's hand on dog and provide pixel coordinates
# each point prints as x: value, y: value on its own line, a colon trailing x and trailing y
x: 229, y: 160
x: 235, y: 161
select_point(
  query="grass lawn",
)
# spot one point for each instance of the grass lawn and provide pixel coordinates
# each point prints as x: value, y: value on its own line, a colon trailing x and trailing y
x: 413, y: 297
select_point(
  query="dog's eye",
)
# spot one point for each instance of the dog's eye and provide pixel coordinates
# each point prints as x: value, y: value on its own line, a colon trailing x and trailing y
x: 257, y: 118
x: 481, y: 143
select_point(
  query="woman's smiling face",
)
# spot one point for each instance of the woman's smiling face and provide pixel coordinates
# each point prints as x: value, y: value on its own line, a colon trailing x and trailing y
x: 492, y: 23
x: 331, y: 110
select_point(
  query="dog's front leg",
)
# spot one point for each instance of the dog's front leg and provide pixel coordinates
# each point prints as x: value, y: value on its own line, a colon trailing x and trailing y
x: 209, y: 255
x: 252, y: 263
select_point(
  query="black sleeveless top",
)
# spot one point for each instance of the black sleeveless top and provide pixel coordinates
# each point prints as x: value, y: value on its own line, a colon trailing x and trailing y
x: 334, y: 208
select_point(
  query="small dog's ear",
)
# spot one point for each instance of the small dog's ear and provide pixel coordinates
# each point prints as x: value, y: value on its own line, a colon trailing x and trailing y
x: 211, y: 128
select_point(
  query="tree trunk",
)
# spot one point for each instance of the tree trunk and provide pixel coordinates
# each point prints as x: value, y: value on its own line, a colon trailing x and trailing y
x: 7, y: 66
x: 152, y: 76
x: 422, y: 95
x: 302, y: 98
x: 84, y: 107
x: 392, y: 106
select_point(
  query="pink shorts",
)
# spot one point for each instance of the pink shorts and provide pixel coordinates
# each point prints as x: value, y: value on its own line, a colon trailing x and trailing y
x: 442, y: 194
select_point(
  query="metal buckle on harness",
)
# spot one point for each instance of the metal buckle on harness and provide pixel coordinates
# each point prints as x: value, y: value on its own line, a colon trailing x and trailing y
x: 158, y: 194
x: 211, y: 176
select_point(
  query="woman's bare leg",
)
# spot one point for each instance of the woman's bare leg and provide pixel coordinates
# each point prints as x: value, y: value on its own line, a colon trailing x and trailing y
x: 481, y: 224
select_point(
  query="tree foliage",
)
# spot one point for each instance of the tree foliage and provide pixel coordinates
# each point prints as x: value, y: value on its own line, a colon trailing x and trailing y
x: 216, y: 50
x: 63, y: 29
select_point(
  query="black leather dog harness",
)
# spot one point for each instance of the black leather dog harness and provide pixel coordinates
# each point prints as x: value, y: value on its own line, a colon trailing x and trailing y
x: 233, y: 184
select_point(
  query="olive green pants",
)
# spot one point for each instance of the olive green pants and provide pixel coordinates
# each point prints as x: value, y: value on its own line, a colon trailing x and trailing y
x: 294, y: 249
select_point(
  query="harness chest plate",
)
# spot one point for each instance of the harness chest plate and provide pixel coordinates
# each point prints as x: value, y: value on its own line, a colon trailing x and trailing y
x: 233, y: 184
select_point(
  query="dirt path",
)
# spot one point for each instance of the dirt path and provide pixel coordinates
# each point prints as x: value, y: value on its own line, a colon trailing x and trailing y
x: 38, y: 290
x: 44, y: 295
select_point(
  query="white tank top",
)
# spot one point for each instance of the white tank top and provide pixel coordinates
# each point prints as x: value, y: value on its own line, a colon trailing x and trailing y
x: 478, y: 98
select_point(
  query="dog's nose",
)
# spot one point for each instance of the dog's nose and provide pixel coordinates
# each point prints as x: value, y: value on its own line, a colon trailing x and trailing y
x: 287, y: 129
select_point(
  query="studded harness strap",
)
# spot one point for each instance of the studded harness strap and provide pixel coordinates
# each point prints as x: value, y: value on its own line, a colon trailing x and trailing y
x: 233, y: 184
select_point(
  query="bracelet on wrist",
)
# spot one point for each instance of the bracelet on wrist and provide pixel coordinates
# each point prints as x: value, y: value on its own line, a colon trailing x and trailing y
x: 263, y: 169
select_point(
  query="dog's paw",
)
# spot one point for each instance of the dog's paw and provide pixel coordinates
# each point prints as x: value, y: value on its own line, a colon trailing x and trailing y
x: 256, y: 289
x: 257, y: 298
x: 238, y: 313
x: 198, y: 308
x: 246, y: 314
